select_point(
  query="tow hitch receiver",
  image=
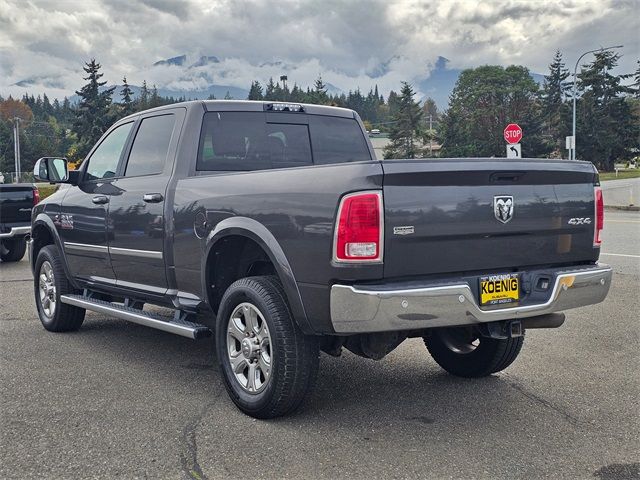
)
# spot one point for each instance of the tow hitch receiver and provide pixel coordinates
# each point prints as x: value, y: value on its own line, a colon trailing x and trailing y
x: 502, y: 330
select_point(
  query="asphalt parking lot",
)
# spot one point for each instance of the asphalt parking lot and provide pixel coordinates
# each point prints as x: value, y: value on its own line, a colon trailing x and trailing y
x: 121, y: 400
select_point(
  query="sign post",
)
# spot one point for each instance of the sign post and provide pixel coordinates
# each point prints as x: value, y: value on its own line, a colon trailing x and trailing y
x: 513, y: 135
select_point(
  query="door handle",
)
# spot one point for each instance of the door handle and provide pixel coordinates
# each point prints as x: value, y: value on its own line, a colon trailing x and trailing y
x: 100, y: 199
x: 153, y: 197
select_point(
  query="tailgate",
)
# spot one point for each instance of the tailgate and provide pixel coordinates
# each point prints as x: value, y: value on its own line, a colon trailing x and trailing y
x: 445, y: 216
x: 16, y: 202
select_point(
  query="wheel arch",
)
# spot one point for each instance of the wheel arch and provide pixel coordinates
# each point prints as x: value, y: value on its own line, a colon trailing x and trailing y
x: 256, y: 232
x: 44, y: 232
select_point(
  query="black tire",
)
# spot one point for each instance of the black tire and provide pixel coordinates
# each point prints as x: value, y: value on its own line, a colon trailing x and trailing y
x: 293, y: 355
x: 63, y: 318
x: 12, y: 249
x: 462, y: 352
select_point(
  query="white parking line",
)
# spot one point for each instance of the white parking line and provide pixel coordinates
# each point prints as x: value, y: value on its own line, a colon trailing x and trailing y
x: 620, y: 255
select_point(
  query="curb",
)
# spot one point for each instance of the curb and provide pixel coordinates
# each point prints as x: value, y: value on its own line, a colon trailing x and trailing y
x: 626, y: 208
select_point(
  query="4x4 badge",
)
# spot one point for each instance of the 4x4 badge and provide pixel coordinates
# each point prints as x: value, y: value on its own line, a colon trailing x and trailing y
x: 503, y: 208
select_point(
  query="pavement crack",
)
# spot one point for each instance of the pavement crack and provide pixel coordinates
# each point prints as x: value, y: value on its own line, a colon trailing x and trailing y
x: 532, y: 396
x: 189, y: 457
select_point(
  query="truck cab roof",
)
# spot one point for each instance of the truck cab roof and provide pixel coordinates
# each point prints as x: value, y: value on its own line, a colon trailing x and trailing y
x: 257, y: 106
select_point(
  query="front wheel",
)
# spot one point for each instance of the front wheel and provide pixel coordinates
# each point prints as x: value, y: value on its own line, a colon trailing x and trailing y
x: 50, y: 282
x: 462, y: 351
x: 269, y: 366
x: 12, y: 249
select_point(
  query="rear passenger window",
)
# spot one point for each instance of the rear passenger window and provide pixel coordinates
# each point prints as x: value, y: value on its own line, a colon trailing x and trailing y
x: 337, y: 140
x: 237, y: 141
x: 233, y: 141
x: 150, y: 146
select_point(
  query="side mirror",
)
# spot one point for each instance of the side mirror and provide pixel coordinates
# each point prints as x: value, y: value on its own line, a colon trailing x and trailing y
x: 51, y: 169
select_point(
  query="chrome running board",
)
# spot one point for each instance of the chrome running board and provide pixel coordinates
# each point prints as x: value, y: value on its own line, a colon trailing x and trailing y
x: 178, y: 326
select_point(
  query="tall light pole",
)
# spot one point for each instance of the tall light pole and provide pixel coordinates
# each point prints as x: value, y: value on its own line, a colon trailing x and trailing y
x: 16, y: 148
x: 575, y: 73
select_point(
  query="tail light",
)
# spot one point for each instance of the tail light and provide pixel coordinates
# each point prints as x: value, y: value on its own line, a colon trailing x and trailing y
x: 599, y: 216
x: 36, y: 196
x: 359, y: 228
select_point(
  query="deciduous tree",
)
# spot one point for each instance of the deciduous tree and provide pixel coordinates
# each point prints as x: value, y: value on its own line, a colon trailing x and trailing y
x: 483, y: 102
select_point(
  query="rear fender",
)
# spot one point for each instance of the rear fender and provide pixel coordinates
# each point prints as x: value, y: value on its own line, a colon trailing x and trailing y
x: 257, y: 232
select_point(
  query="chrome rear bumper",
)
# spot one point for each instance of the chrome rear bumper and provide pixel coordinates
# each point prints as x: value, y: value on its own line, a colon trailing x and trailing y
x: 364, y: 309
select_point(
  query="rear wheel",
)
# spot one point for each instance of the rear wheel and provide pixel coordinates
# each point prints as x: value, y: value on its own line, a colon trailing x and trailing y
x: 50, y: 282
x: 269, y: 366
x: 12, y: 249
x: 462, y: 351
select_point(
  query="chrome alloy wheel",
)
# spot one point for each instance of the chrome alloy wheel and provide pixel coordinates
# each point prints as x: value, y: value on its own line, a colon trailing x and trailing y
x: 249, y: 348
x: 47, y: 289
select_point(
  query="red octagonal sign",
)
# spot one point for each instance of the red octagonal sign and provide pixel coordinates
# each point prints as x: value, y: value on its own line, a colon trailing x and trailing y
x: 513, y: 133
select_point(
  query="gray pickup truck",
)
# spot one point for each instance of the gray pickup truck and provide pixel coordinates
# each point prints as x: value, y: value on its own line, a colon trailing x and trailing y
x: 273, y: 227
x: 16, y: 202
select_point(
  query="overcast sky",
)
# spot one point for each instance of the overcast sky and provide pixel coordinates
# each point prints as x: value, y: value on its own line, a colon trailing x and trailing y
x: 347, y: 41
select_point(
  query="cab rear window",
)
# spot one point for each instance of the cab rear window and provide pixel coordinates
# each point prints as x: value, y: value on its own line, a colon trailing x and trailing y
x: 245, y: 141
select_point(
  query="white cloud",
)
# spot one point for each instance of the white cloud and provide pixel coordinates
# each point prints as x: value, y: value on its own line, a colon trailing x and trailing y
x: 345, y: 41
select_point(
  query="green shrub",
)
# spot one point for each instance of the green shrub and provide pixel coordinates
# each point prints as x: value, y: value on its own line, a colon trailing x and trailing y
x: 45, y: 190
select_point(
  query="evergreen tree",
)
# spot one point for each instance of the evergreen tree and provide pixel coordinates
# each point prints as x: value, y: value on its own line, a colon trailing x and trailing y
x: 278, y: 92
x: 270, y: 91
x: 67, y: 111
x: 47, y: 108
x: 636, y: 78
x: 394, y: 103
x: 227, y: 96
x: 154, y: 99
x: 406, y: 129
x: 319, y: 92
x: 297, y: 95
x: 127, y: 98
x: 555, y: 107
x: 143, y: 100
x: 92, y: 116
x: 430, y: 115
x: 606, y: 131
x: 255, y: 92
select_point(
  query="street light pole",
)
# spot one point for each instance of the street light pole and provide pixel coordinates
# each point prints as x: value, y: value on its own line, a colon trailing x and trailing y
x: 430, y: 135
x: 572, y: 151
x: 16, y: 146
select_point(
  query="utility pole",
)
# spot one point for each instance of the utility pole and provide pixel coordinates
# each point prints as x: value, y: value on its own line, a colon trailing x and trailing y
x: 430, y: 135
x: 572, y: 151
x: 16, y: 147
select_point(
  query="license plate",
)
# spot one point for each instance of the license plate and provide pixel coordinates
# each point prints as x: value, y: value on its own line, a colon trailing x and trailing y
x: 499, y: 289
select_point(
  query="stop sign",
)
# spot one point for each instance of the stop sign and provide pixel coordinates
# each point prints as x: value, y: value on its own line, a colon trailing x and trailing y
x: 513, y: 133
